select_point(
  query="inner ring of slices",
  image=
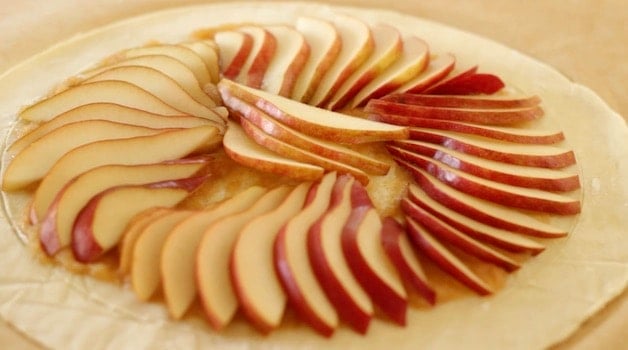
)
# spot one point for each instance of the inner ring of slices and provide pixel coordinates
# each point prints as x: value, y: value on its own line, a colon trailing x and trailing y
x: 336, y: 168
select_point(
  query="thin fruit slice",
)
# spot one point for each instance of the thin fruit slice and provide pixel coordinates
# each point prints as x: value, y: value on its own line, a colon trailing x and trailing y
x: 162, y: 86
x: 178, y: 257
x: 313, y: 121
x: 145, y: 276
x: 504, y: 239
x: 213, y: 278
x: 438, y: 68
x: 545, y: 156
x: 330, y: 150
x: 291, y: 53
x: 413, y: 60
x: 362, y: 247
x: 131, y: 233
x: 457, y: 101
x: 293, y: 267
x: 106, y: 111
x: 445, y: 259
x: 449, y: 234
x: 234, y: 49
x: 262, y: 52
x: 485, y: 211
x: 207, y: 51
x: 289, y: 151
x: 168, y: 145
x: 470, y: 115
x: 357, y: 45
x: 34, y: 162
x: 94, y: 232
x: 118, y: 92
x: 245, y: 151
x: 388, y: 47
x: 325, y: 44
x: 351, y: 302
x: 553, y: 180
x: 171, y: 67
x: 404, y: 257
x: 253, y: 274
x: 56, y: 228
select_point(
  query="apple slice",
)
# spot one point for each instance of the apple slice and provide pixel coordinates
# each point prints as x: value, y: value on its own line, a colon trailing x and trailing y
x: 118, y: 92
x: 298, y: 154
x: 445, y: 259
x: 407, y: 112
x: 235, y: 48
x: 131, y: 233
x: 171, y: 67
x: 456, y: 101
x: 178, y: 255
x: 554, y: 180
x: 325, y: 44
x: 56, y: 228
x: 501, y: 133
x: 213, y: 278
x: 500, y: 238
x: 252, y: 269
x: 449, y: 234
x: 317, y: 146
x: 363, y: 250
x: 313, y: 121
x: 162, y: 86
x: 145, y: 276
x: 437, y: 69
x: 357, y: 46
x: 403, y: 256
x: 544, y: 156
x: 190, y: 58
x: 262, y: 52
x: 293, y: 267
x: 207, y: 51
x: 331, y: 268
x: 388, y: 48
x: 291, y: 53
x: 35, y: 161
x: 506, y: 195
x: 168, y: 145
x: 468, y: 84
x: 413, y: 60
x: 243, y: 150
x: 106, y: 111
x: 485, y: 211
x: 94, y: 232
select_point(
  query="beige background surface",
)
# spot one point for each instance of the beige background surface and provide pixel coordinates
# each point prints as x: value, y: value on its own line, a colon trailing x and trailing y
x: 584, y: 39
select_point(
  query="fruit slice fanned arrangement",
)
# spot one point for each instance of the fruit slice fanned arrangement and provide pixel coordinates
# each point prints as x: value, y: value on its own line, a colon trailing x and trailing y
x: 337, y: 110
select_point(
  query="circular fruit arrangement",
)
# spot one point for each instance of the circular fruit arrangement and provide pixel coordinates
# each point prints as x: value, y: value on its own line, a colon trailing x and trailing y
x: 331, y: 170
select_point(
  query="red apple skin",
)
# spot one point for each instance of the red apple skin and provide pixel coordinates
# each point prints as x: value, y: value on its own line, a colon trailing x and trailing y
x: 232, y: 71
x: 470, y: 211
x: 471, y: 232
x: 347, y: 309
x: 565, y: 184
x: 389, y: 302
x: 457, y: 101
x: 293, y: 291
x: 426, y: 82
x: 437, y: 257
x: 488, y: 193
x: 442, y: 232
x: 555, y: 161
x: 453, y: 77
x: 468, y: 84
x: 391, y: 232
x: 464, y: 128
x: 255, y: 75
x: 84, y: 246
x: 405, y: 113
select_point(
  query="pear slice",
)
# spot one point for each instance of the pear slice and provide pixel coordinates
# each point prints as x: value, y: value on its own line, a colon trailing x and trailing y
x: 260, y: 57
x: 291, y: 53
x: 234, y: 47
